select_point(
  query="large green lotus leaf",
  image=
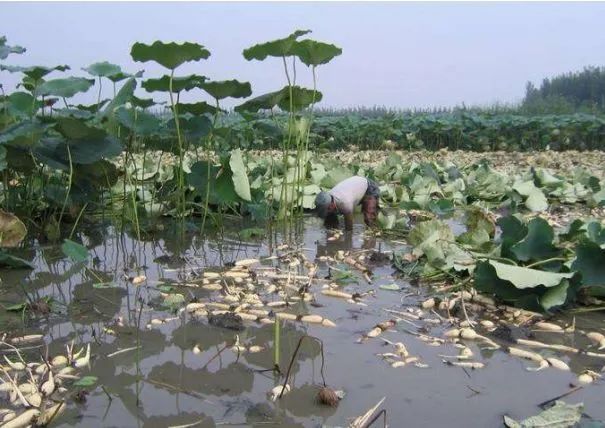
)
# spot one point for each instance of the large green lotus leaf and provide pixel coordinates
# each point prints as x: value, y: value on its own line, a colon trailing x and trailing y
x: 480, y: 228
x: 301, y: 99
x: 590, y: 263
x: 66, y: 87
x: 430, y: 231
x: 537, y: 244
x: 142, y: 102
x: 12, y: 230
x: 221, y: 185
x: 545, y: 179
x: 196, y: 109
x: 276, y: 48
x: 240, y: 177
x: 138, y: 121
x: 23, y: 134
x: 76, y: 252
x: 102, y: 69
x: 183, y: 83
x: 555, y: 296
x: 123, y: 96
x: 35, y: 72
x: 22, y: 104
x: 314, y: 53
x: 93, y: 108
x: 513, y: 231
x: 522, y: 277
x: 596, y: 233
x: 193, y: 128
x: 100, y: 174
x: 76, y: 129
x: 335, y: 176
x: 54, y: 151
x: 221, y: 89
x: 535, y: 199
x: 170, y: 55
x: 561, y: 415
x: 118, y: 77
x: 6, y: 50
x: 73, y: 113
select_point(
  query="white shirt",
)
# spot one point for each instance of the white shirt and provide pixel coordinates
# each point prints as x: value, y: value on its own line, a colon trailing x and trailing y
x: 349, y: 193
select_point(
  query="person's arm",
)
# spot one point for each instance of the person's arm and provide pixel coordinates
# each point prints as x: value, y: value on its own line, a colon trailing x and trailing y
x: 348, y: 221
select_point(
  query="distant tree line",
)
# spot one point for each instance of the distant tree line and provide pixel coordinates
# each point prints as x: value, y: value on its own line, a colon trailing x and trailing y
x: 567, y: 93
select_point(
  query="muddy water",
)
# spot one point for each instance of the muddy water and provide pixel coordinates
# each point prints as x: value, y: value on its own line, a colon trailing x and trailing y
x: 166, y: 384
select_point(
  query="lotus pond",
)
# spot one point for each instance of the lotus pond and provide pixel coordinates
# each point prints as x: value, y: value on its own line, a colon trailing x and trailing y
x: 157, y: 271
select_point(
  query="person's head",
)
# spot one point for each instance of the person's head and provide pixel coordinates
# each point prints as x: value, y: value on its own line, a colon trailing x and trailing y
x: 324, y: 204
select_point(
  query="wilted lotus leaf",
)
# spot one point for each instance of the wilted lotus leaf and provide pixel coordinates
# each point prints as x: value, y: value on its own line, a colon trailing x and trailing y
x: 6, y: 50
x: 314, y: 53
x: 227, y: 88
x: 301, y: 98
x: 93, y: 108
x: 12, y: 230
x: 185, y: 83
x: 65, y: 87
x: 102, y: 69
x: 35, y: 72
x: 170, y: 55
x: 535, y: 200
x: 276, y: 48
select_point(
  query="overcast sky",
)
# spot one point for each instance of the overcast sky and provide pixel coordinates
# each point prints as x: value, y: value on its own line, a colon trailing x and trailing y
x: 394, y: 54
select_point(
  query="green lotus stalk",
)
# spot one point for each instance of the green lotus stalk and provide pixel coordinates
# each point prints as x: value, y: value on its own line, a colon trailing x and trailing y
x: 208, y: 160
x: 181, y: 178
x: 69, y: 182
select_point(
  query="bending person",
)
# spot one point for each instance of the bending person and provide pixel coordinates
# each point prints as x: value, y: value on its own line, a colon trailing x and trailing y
x: 343, y: 199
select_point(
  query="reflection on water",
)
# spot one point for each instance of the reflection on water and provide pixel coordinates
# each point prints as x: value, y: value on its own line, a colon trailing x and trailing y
x: 156, y: 380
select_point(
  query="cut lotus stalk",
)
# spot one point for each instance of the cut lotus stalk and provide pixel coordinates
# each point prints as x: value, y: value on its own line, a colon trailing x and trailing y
x: 375, y: 332
x: 525, y: 354
x: 247, y: 317
x: 211, y: 275
x: 312, y: 319
x: 83, y: 362
x: 247, y: 262
x: 277, y: 304
x: 212, y: 287
x: 266, y: 321
x: 585, y: 378
x: 286, y: 316
x: 34, y: 400
x: 138, y: 280
x: 196, y: 349
x: 8, y: 416
x: 51, y: 413
x: 59, y: 361
x: 255, y: 349
x: 217, y: 305
x: 192, y: 307
x: 48, y: 387
x: 547, y: 326
x: 26, y: 339
x: 327, y: 323
x: 466, y: 364
x: 279, y: 390
x: 336, y: 293
x: 401, y: 350
x: 558, y: 364
x: 16, y: 366
x: 428, y: 304
x: 396, y: 364
x: 411, y: 360
x: 597, y: 339
x: 23, y: 420
x: 542, y: 365
x: 487, y: 324
x: 454, y: 332
x: 536, y: 344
